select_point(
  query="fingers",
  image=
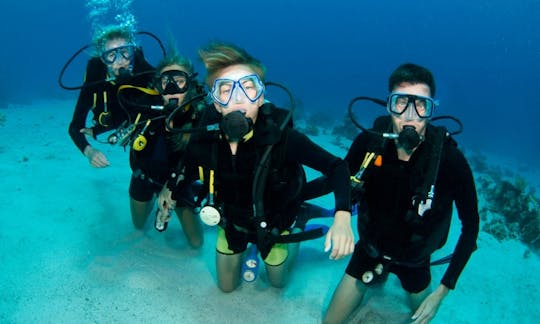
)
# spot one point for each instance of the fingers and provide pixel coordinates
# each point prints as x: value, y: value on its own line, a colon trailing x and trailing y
x: 99, y: 160
x: 87, y: 131
x: 328, y: 242
x: 165, y: 202
x: 95, y: 157
x: 423, y: 314
x: 342, y: 245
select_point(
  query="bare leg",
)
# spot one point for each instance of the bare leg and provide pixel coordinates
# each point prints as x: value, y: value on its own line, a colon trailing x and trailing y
x: 278, y: 275
x: 140, y: 211
x: 347, y: 297
x: 191, y: 225
x: 228, y: 267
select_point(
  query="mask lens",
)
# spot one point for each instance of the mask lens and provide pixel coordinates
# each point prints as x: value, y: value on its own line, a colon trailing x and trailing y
x: 250, y: 85
x: 110, y: 56
x: 398, y: 103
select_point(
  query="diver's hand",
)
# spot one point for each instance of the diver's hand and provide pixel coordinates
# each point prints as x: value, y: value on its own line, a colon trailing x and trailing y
x: 96, y: 158
x: 427, y: 310
x: 340, y: 236
x: 87, y: 131
x: 165, y: 201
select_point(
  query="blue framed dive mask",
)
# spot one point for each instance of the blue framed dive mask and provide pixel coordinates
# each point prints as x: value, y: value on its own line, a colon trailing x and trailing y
x: 224, y: 89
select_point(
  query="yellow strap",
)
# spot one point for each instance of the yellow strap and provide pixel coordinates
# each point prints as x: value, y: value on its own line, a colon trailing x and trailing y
x: 146, y: 126
x: 367, y: 159
x: 248, y: 136
x: 211, y: 184
x: 145, y: 90
x: 353, y: 178
x: 137, y: 119
x: 201, y: 173
x: 369, y: 156
x: 95, y: 100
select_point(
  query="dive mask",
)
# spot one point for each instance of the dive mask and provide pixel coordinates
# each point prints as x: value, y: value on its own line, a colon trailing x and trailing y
x: 110, y: 56
x: 250, y: 85
x: 173, y: 82
x: 398, y: 104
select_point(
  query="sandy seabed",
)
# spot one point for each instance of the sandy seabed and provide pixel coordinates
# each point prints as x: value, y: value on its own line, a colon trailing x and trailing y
x: 70, y: 254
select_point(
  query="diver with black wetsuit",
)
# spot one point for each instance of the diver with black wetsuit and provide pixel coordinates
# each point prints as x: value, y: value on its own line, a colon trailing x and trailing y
x: 99, y: 96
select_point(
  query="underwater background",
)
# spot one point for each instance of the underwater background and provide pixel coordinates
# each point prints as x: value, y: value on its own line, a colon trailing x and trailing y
x: 68, y: 250
x: 485, y: 54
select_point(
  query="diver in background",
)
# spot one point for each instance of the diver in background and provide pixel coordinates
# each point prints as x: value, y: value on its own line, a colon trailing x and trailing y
x: 153, y: 148
x: 118, y: 61
x: 400, y: 222
x: 231, y: 165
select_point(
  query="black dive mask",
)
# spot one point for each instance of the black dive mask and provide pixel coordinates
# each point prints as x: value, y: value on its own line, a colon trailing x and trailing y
x: 409, y: 138
x: 173, y: 82
x: 235, y: 125
x: 172, y: 88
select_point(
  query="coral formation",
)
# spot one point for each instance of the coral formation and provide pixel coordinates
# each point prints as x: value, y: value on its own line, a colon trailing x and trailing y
x: 512, y: 209
x: 346, y: 129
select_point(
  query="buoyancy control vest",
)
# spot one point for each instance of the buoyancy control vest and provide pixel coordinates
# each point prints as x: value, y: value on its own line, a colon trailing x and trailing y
x: 421, y: 184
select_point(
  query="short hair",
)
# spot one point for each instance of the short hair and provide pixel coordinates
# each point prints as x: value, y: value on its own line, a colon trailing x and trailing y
x: 173, y: 57
x: 411, y: 73
x: 218, y: 56
x: 112, y: 32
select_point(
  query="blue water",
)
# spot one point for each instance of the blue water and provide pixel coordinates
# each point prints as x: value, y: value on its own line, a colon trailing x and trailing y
x: 485, y: 54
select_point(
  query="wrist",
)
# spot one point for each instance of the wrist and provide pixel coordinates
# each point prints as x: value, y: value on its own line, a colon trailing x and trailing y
x: 342, y: 216
x: 442, y: 290
x: 87, y: 150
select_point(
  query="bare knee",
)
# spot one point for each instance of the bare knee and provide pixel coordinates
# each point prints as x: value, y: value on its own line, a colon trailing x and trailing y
x: 226, y: 288
x: 228, y: 271
x: 346, y: 298
x: 191, y: 226
x: 139, y: 212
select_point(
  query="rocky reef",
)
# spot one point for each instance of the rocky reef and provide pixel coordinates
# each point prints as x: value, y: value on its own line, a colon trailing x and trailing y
x: 509, y: 208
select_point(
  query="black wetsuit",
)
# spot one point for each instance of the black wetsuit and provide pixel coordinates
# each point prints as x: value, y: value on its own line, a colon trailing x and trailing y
x: 385, y: 222
x: 234, y: 175
x: 152, y: 166
x: 96, y: 71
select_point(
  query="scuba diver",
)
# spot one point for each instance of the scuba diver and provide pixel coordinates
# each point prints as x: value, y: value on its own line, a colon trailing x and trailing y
x: 118, y: 61
x: 152, y: 147
x: 408, y: 174
x: 251, y: 170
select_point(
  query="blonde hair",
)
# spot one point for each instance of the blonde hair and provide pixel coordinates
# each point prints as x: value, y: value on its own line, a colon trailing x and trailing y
x: 109, y: 33
x: 218, y: 56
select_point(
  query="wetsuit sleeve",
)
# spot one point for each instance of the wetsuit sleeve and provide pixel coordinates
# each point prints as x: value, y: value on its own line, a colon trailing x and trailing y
x: 95, y: 71
x: 301, y: 149
x: 78, y: 121
x: 467, y: 207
